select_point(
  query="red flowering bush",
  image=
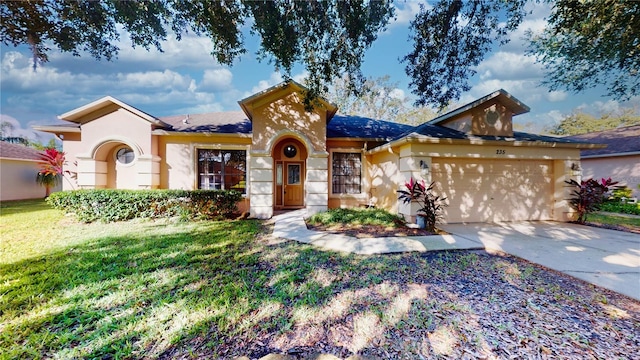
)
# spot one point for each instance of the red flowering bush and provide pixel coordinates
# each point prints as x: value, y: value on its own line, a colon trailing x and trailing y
x: 589, y: 195
x: 431, y: 206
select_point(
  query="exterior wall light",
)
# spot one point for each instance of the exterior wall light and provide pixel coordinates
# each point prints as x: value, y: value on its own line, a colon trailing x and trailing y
x: 424, y: 168
x: 576, y: 170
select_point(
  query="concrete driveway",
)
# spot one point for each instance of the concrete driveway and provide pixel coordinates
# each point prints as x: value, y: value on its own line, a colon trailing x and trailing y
x: 606, y: 258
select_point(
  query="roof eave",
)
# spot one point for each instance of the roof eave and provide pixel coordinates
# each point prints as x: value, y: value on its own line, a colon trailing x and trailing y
x: 162, y: 132
x: 56, y: 129
x: 424, y: 139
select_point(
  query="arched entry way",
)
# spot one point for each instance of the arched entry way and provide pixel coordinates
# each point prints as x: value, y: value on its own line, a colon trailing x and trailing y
x: 120, y: 160
x: 290, y: 160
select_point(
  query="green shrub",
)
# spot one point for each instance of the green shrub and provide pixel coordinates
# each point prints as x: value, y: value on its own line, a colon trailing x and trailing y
x: 109, y: 205
x: 356, y: 216
x: 618, y: 207
x: 621, y: 192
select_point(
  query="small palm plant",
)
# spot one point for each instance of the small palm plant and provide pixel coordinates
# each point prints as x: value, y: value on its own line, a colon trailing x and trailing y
x: 431, y: 206
x: 51, y: 171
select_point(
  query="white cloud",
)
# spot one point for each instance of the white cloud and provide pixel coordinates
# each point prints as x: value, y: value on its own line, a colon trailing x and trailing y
x: 216, y: 79
x: 508, y: 65
x: 407, y: 11
x: 274, y: 79
x: 555, y: 96
x: 17, y: 130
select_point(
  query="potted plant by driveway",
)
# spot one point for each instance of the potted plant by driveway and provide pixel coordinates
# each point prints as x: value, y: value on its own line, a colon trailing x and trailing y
x: 430, y: 211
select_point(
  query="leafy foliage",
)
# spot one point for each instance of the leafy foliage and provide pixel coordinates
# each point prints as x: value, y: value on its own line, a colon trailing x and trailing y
x: 588, y: 196
x: 621, y: 208
x: 431, y: 205
x: 592, y: 43
x: 329, y: 37
x: 51, y: 168
x: 452, y: 38
x: 110, y: 205
x: 377, y: 100
x: 356, y: 216
x: 580, y: 122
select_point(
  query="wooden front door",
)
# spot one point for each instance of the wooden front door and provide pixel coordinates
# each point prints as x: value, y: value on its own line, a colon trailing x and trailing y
x: 293, y: 184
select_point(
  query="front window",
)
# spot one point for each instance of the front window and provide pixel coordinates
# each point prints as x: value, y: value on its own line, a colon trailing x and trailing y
x: 222, y: 169
x: 346, y: 173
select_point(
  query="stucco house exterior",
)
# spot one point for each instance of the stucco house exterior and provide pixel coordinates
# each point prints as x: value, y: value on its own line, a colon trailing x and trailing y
x: 620, y: 160
x: 281, y: 156
x: 18, y: 170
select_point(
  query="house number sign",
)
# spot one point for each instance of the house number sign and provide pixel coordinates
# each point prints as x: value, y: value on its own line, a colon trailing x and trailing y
x: 500, y: 152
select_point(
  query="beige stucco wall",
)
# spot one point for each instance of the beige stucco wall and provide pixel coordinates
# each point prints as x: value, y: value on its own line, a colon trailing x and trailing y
x: 287, y: 115
x: 625, y: 169
x: 178, y: 169
x: 492, y: 119
x: 392, y: 168
x: 18, y: 180
x: 384, y: 174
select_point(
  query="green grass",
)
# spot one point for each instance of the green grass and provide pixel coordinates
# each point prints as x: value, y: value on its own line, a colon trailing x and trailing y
x: 614, y: 220
x: 356, y: 217
x: 124, y: 290
x: 146, y: 289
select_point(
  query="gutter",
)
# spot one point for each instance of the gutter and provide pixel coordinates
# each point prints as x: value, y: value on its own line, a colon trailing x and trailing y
x: 421, y: 139
x: 631, y: 153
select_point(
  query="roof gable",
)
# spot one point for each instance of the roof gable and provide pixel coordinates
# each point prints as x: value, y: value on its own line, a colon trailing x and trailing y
x: 490, y: 115
x: 103, y: 106
x: 279, y: 91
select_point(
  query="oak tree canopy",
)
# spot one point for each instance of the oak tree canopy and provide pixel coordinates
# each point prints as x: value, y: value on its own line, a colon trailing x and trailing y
x: 585, y: 43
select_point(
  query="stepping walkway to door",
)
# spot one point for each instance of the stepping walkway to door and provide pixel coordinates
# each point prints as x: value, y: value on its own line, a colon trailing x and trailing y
x: 291, y: 226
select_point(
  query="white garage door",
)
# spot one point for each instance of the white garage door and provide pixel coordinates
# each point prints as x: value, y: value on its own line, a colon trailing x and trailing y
x: 494, y: 190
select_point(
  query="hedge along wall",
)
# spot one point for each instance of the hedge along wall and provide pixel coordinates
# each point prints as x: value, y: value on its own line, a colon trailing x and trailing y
x: 110, y: 205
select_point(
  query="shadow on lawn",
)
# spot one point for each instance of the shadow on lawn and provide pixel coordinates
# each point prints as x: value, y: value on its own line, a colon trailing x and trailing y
x: 217, y: 289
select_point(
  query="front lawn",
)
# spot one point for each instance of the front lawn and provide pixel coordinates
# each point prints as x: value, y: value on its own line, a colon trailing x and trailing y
x: 623, y: 223
x: 221, y: 289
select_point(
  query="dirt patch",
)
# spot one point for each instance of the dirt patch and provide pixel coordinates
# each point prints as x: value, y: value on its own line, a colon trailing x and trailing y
x: 372, y: 231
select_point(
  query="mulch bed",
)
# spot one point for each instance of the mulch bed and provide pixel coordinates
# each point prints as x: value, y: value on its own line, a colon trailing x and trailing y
x: 370, y: 231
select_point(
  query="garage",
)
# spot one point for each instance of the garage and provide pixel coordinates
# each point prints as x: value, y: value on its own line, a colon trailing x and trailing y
x: 492, y: 190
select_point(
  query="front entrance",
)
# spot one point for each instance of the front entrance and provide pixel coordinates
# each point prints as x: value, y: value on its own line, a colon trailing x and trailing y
x: 293, y: 187
x: 289, y: 176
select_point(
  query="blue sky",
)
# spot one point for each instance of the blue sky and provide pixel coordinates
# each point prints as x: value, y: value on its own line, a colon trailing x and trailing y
x: 186, y: 80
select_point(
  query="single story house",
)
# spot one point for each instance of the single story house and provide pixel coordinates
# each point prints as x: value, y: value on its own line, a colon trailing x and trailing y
x: 620, y: 160
x: 18, y: 170
x: 283, y: 157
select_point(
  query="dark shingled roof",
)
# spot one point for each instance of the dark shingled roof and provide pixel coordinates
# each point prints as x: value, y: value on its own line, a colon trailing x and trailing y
x: 350, y: 126
x: 442, y: 132
x: 619, y: 140
x: 17, y: 151
x: 229, y: 122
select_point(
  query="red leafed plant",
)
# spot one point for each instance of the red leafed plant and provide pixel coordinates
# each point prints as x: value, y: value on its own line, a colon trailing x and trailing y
x: 431, y: 206
x: 589, y: 195
x: 51, y: 171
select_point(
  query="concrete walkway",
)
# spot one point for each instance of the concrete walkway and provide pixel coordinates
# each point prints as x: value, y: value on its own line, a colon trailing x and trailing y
x: 607, y: 258
x: 291, y: 226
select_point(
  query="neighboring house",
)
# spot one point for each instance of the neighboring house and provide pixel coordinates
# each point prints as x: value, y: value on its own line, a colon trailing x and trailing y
x: 281, y: 156
x: 620, y: 160
x: 18, y: 170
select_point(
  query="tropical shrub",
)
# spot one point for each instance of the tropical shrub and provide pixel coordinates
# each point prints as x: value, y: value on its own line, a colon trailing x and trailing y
x: 51, y: 172
x: 110, y: 205
x: 589, y: 195
x: 431, y: 206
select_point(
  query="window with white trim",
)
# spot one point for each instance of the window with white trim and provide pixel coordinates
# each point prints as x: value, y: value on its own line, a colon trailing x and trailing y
x: 222, y: 169
x: 346, y: 174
